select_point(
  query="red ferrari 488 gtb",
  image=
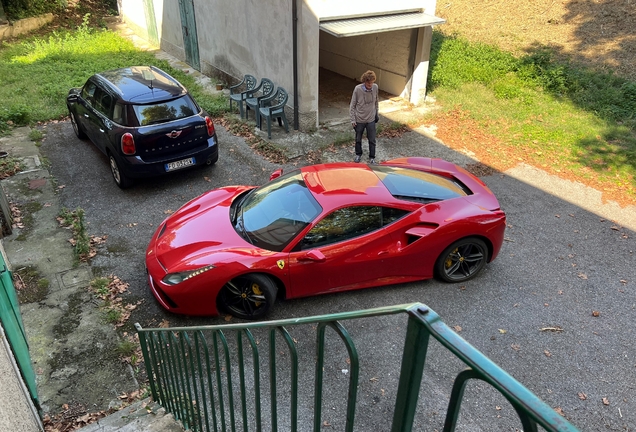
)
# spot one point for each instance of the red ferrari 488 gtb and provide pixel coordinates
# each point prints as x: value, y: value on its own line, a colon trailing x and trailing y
x: 322, y: 229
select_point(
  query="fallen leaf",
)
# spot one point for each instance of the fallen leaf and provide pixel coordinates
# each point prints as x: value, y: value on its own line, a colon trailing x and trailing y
x: 557, y: 216
x: 502, y: 331
x: 168, y: 211
x: 207, y: 179
x: 552, y: 329
x: 515, y: 347
x: 547, y: 353
x: 582, y: 396
x: 457, y: 328
x: 559, y: 411
x: 164, y: 324
x: 615, y: 228
x: 498, y: 408
x: 596, y: 314
x: 228, y: 318
x: 605, y: 401
x: 623, y: 281
x: 582, y: 276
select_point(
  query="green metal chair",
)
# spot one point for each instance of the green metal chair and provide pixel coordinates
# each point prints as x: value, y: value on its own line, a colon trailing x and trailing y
x: 273, y: 107
x: 267, y: 89
x: 238, y: 96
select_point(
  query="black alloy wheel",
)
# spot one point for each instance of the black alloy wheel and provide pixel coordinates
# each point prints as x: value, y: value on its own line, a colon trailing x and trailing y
x: 462, y: 260
x: 119, y: 177
x: 249, y: 297
x: 76, y: 127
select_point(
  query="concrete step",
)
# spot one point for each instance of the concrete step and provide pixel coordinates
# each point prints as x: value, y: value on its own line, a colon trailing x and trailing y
x: 142, y: 416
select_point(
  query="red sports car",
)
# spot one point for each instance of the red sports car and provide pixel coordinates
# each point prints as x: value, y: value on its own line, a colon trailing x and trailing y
x: 322, y: 229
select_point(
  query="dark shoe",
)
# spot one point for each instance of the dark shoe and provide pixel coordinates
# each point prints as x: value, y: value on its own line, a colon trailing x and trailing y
x: 371, y: 161
x: 357, y: 159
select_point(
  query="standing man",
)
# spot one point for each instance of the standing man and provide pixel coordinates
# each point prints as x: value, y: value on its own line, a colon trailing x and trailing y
x: 364, y: 113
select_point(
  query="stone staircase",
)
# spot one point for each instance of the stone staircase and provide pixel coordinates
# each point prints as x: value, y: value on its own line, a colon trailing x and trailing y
x: 142, y: 416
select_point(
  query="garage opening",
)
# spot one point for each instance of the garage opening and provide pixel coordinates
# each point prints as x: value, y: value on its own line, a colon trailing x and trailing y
x: 389, y: 44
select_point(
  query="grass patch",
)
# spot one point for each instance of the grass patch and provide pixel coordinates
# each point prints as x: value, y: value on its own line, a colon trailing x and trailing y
x: 110, y: 291
x: 571, y: 121
x: 74, y: 220
x: 126, y: 348
x: 10, y: 166
x: 29, y: 285
x: 37, y: 73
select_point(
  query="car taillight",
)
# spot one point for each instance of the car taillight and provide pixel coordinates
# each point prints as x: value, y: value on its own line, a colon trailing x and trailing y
x: 209, y: 125
x: 128, y: 144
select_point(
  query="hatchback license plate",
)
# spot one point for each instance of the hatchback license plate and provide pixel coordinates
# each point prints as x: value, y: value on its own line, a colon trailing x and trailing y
x: 171, y: 166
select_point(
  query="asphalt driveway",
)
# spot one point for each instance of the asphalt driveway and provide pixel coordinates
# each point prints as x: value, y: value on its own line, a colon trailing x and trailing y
x: 555, y: 310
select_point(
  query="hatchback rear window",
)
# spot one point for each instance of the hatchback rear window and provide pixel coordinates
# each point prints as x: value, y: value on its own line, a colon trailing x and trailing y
x: 163, y: 112
x: 414, y: 185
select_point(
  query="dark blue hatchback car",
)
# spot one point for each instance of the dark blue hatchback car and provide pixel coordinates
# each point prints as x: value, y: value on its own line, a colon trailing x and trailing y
x: 144, y: 120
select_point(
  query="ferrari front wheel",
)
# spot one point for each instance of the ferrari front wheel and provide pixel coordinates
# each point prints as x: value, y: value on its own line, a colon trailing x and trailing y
x: 462, y: 260
x: 249, y: 296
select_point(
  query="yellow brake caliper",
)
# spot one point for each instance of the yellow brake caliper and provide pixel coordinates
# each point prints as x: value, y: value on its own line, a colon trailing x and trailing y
x: 256, y: 290
x: 449, y: 262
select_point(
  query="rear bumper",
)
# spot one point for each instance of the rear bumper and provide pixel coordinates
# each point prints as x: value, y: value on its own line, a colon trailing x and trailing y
x: 136, y: 167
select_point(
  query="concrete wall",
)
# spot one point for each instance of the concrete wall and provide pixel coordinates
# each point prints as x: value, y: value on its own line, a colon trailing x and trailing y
x: 23, y: 26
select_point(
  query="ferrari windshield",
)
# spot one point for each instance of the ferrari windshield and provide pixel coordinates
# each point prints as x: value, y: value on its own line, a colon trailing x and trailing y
x: 272, y: 215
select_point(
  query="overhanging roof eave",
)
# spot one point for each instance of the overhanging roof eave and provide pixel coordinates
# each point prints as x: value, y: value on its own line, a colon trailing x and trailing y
x: 376, y: 24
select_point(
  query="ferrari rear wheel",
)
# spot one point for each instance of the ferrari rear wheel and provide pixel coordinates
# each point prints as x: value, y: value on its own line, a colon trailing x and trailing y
x: 249, y: 297
x: 462, y: 260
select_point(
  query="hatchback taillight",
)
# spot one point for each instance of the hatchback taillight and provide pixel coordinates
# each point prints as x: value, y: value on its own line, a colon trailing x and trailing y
x: 209, y: 125
x: 128, y: 144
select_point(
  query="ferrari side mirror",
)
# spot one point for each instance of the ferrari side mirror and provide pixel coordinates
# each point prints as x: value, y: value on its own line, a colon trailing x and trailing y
x: 276, y: 174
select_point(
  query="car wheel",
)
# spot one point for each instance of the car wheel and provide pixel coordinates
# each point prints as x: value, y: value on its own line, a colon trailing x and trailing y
x: 120, y: 178
x: 76, y: 127
x: 462, y: 260
x: 249, y: 297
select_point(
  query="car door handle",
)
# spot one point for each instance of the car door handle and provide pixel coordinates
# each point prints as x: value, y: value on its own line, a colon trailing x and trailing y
x: 313, y: 255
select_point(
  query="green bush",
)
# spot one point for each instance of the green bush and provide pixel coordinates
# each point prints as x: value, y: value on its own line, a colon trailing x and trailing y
x: 18, y: 9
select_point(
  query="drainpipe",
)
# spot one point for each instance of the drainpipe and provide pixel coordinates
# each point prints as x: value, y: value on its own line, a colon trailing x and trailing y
x: 295, y: 58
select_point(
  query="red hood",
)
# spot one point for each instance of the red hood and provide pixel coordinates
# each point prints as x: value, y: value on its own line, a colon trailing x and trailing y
x: 198, y: 229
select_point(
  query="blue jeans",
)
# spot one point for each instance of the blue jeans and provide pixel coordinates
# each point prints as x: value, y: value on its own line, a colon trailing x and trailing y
x: 370, y: 128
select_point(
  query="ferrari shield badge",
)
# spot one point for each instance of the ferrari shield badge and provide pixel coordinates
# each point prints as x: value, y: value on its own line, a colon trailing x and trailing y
x: 281, y: 264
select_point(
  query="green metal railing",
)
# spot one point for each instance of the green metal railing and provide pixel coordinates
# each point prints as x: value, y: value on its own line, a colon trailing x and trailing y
x: 193, y: 374
x: 11, y: 320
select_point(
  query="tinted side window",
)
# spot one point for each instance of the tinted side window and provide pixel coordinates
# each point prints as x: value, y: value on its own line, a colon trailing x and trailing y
x: 103, y: 103
x: 344, y: 224
x: 120, y: 114
x: 88, y: 92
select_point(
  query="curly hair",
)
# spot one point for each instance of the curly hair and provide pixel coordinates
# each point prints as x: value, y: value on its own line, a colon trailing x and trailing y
x: 368, y: 76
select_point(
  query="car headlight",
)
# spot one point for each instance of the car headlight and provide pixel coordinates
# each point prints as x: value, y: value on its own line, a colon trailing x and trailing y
x: 177, y: 278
